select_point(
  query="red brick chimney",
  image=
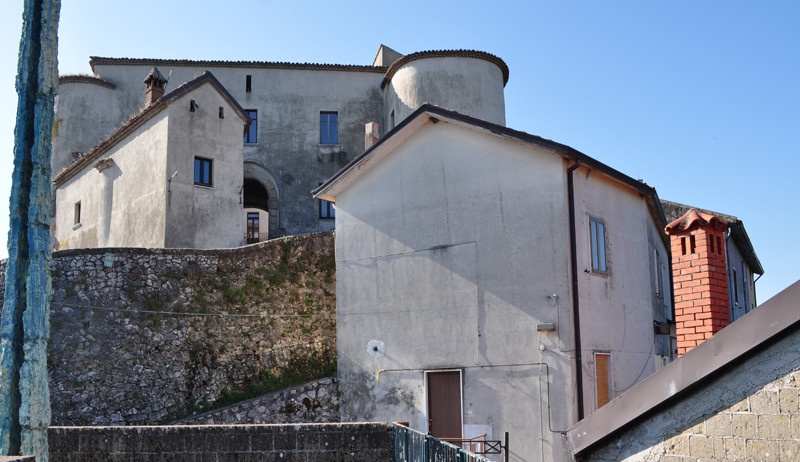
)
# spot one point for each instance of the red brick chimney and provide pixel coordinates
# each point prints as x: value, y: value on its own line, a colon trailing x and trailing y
x: 156, y: 83
x: 699, y: 277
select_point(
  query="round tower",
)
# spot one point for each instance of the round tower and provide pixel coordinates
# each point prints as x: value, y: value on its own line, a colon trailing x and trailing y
x: 87, y: 111
x: 466, y: 81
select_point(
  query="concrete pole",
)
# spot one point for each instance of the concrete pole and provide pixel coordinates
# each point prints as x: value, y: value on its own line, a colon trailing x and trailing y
x: 25, y: 323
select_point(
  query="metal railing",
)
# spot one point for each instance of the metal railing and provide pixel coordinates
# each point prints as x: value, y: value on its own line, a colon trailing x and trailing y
x: 413, y: 446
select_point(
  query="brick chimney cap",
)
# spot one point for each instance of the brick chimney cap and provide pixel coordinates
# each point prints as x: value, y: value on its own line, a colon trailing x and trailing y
x: 694, y: 219
x: 155, y: 74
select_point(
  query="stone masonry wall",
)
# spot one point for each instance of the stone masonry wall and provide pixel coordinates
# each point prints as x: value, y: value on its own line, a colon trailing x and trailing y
x: 315, y: 401
x: 751, y: 412
x: 356, y: 442
x: 146, y: 336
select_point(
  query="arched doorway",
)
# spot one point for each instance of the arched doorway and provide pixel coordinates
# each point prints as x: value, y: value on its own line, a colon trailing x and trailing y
x: 260, y: 202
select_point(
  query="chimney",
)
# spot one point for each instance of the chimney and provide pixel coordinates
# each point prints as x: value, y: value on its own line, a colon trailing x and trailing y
x: 699, y: 277
x: 155, y: 84
x: 371, y: 134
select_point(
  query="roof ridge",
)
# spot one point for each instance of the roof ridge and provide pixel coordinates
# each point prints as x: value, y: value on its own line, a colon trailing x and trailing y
x: 95, y: 60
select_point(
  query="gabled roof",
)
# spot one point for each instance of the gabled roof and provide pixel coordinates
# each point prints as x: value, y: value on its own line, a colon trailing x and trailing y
x: 140, y: 119
x: 773, y: 320
x: 674, y: 210
x: 428, y: 113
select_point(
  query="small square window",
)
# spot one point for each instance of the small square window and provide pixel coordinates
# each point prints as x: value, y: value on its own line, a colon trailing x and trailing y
x: 597, y: 237
x: 202, y: 171
x: 192, y: 106
x: 326, y: 209
x: 252, y: 132
x: 328, y: 128
x: 602, y: 363
x: 221, y: 112
x: 77, y: 215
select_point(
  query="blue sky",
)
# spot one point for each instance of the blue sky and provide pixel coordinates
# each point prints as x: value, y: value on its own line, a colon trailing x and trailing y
x: 699, y: 99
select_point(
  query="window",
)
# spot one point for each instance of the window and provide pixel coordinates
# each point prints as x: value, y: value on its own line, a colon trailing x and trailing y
x: 202, y: 171
x: 602, y: 361
x: 328, y: 128
x: 659, y: 282
x: 597, y: 235
x: 192, y: 106
x: 248, y: 81
x: 77, y: 219
x: 252, y: 132
x: 221, y: 112
x: 326, y: 209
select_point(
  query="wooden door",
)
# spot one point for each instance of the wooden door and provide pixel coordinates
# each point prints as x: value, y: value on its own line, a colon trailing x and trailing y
x: 444, y: 404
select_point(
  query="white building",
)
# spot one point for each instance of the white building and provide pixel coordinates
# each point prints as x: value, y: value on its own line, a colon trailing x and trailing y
x: 467, y: 253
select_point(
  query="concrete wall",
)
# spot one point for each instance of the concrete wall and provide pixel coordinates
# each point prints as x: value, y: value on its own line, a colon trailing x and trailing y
x: 357, y: 442
x: 201, y: 216
x: 622, y: 301
x: 750, y: 412
x: 87, y: 114
x: 141, y: 336
x: 430, y: 262
x: 123, y: 205
x: 467, y: 85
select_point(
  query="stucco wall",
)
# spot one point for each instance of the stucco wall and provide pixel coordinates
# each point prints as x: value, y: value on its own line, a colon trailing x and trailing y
x: 623, y: 301
x: 446, y: 252
x: 204, y: 217
x: 749, y: 412
x: 467, y: 85
x: 288, y: 104
x: 123, y: 205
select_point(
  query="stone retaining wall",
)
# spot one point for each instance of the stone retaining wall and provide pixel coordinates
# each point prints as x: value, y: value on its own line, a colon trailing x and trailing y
x: 146, y: 336
x: 315, y: 401
x: 356, y: 442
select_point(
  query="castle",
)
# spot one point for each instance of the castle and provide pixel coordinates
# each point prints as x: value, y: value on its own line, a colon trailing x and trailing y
x: 234, y: 161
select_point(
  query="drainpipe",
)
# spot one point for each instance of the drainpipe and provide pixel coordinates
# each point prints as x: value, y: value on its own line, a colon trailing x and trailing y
x: 576, y: 320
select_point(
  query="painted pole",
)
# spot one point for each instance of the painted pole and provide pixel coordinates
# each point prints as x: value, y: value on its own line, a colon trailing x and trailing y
x: 25, y: 323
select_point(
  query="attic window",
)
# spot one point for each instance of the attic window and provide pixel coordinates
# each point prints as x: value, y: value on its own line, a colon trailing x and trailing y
x: 192, y: 106
x: 221, y: 112
x: 248, y: 80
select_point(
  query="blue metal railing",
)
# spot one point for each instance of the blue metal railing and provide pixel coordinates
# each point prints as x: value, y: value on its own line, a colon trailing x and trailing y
x: 413, y: 446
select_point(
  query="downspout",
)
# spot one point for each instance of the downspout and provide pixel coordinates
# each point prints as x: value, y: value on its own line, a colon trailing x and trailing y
x: 576, y: 320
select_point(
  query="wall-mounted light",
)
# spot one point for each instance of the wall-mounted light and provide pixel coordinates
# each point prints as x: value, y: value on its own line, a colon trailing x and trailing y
x: 169, y: 182
x: 552, y: 300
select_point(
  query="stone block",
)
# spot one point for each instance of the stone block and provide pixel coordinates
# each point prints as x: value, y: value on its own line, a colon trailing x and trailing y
x: 762, y: 450
x: 789, y: 450
x: 700, y: 446
x: 765, y: 402
x: 774, y: 426
x: 719, y: 425
x: 669, y: 458
x: 744, y: 425
x: 718, y: 446
x: 788, y: 401
x: 735, y: 449
x: 795, y: 426
x: 741, y: 406
x: 677, y: 445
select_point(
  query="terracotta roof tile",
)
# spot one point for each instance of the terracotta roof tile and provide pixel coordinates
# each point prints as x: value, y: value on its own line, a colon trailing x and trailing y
x: 98, y: 60
x: 76, y: 78
x: 694, y: 219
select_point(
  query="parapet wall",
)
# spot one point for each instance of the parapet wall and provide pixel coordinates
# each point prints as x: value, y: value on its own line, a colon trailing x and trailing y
x: 147, y: 336
x: 356, y: 442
